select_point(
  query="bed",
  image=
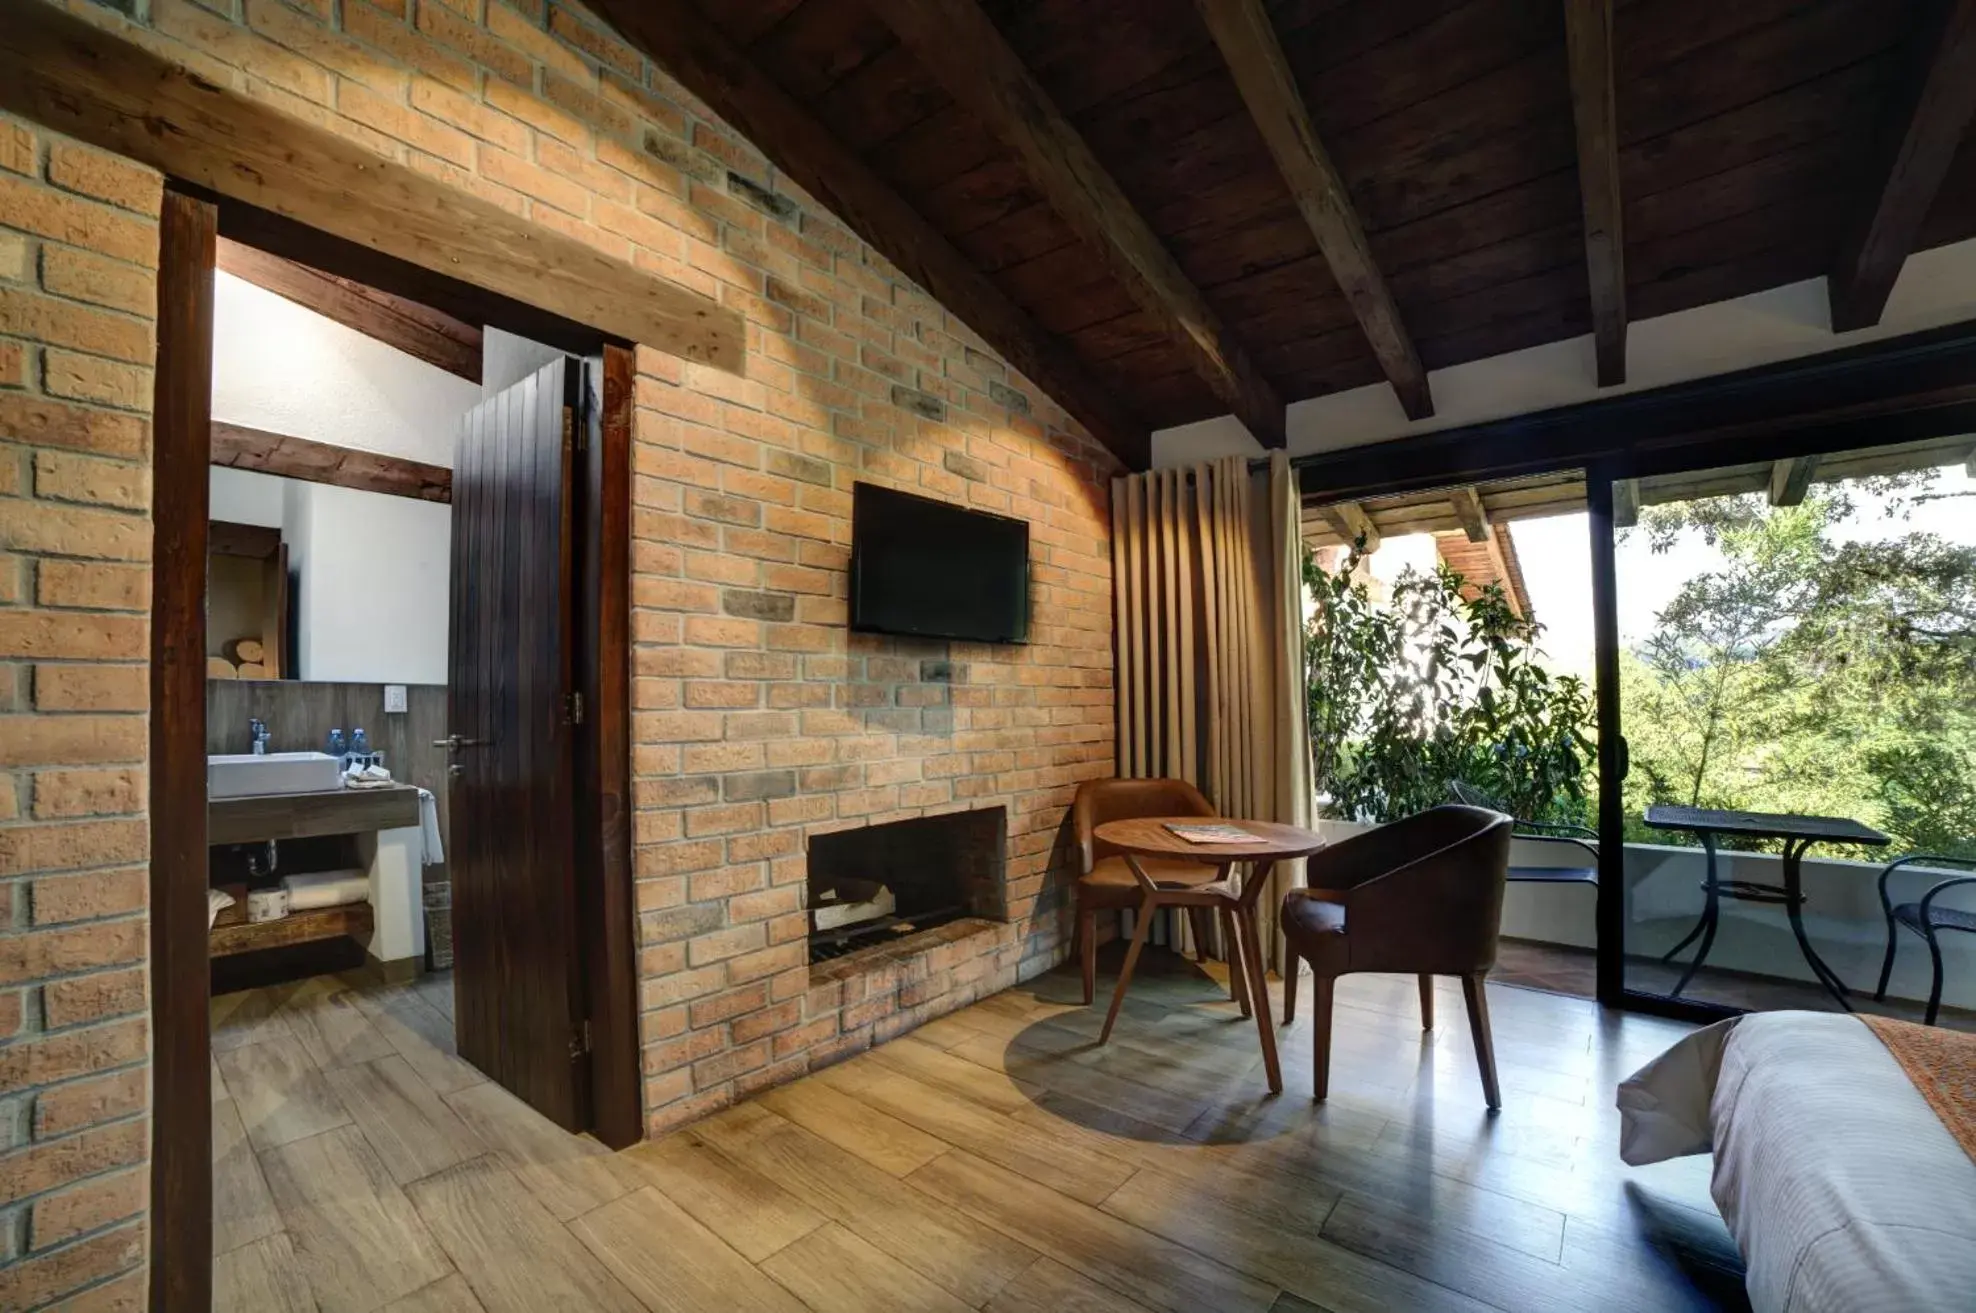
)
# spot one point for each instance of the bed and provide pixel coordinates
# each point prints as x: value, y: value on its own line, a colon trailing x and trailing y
x: 1843, y: 1186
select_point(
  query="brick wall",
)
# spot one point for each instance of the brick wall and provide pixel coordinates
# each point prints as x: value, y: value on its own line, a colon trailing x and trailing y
x: 759, y: 719
x: 78, y: 246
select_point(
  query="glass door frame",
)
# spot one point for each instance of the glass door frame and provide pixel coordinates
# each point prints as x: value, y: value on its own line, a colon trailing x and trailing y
x: 1610, y: 963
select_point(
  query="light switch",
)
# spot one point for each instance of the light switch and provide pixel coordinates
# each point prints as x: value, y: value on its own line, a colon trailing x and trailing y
x: 394, y: 697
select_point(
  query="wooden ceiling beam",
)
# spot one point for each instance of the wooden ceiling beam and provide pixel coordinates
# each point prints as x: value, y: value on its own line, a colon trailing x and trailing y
x: 1588, y: 38
x: 1921, y: 143
x: 1350, y: 522
x: 1625, y: 503
x: 82, y: 78
x: 964, y: 51
x: 675, y: 35
x: 419, y: 331
x: 1467, y: 503
x: 1790, y: 479
x: 242, y: 448
x: 1249, y: 46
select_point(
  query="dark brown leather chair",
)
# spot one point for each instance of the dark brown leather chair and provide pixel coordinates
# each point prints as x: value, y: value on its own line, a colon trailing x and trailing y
x: 1106, y: 883
x: 1422, y: 896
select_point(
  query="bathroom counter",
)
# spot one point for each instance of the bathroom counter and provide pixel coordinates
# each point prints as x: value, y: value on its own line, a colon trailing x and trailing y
x: 305, y: 815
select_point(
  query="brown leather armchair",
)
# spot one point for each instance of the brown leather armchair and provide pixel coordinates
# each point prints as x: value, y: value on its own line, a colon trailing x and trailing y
x: 1422, y: 896
x: 1105, y: 882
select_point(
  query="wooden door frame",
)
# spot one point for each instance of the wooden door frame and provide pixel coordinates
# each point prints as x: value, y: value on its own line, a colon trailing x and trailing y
x: 181, y: 1166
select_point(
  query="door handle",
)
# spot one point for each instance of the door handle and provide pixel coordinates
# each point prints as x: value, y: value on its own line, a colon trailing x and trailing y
x: 453, y: 743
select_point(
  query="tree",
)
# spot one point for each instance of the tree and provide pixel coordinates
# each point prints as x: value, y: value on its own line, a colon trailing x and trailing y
x: 1441, y: 684
x: 1813, y: 672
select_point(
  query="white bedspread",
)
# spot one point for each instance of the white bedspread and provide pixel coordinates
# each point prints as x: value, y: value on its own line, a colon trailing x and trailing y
x: 1842, y: 1188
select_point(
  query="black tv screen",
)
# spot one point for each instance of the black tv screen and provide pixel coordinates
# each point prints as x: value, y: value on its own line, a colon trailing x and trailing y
x: 934, y: 570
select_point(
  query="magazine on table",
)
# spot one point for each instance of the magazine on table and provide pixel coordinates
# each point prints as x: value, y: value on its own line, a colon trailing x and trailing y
x: 1212, y: 834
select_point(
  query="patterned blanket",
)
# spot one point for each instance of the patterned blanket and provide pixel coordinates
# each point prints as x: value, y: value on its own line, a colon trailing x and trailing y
x: 1942, y: 1065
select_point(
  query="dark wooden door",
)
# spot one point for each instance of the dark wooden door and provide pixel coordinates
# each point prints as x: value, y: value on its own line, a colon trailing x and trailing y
x: 511, y: 711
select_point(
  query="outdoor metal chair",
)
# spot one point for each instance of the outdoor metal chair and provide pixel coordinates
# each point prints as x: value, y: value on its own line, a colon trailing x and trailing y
x: 1924, y: 919
x: 1578, y: 836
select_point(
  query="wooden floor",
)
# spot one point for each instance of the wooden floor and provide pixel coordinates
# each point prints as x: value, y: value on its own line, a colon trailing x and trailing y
x: 994, y: 1159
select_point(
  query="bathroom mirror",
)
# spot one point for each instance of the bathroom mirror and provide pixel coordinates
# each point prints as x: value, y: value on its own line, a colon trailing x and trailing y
x: 318, y: 582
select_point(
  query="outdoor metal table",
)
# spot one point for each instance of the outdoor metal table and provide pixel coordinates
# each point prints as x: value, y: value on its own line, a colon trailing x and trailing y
x: 1798, y: 834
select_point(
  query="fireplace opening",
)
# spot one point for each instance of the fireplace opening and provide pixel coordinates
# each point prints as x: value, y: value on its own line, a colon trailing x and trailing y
x: 879, y: 883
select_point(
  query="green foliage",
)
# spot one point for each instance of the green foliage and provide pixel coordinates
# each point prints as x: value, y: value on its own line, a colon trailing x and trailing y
x: 1812, y: 673
x: 1407, y: 697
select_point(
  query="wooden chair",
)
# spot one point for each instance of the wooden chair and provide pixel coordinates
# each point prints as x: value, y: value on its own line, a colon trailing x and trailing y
x: 1423, y: 897
x: 1106, y: 882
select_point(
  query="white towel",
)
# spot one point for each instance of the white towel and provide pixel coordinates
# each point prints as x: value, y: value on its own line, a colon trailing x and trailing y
x: 217, y: 901
x: 429, y: 823
x: 367, y: 777
x: 316, y: 889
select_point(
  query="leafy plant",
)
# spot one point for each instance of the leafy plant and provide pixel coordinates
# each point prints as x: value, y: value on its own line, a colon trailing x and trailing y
x: 1439, y: 685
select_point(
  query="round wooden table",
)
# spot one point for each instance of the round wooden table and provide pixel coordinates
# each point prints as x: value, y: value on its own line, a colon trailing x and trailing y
x: 1234, y: 904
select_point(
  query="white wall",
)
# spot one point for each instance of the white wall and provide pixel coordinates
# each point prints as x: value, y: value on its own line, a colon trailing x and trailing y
x: 1936, y: 287
x: 246, y: 497
x: 279, y: 367
x: 373, y: 570
x: 371, y: 606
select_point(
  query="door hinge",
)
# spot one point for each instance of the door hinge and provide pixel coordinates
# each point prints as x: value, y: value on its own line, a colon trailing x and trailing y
x: 573, y: 709
x: 579, y: 1041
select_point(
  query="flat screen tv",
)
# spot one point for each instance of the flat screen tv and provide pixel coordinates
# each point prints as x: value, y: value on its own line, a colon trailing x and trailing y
x: 933, y: 570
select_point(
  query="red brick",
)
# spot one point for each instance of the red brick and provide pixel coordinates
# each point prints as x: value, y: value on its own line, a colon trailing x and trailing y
x: 19, y: 151
x: 84, y: 897
x: 69, y: 635
x: 387, y: 30
x: 27, y: 1063
x: 92, y: 378
x: 105, y: 177
x: 57, y: 530
x: 475, y: 42
x: 34, y: 954
x: 70, y: 740
x: 97, y: 997
x: 34, y: 208
x: 45, y: 1278
x: 88, y: 1207
x: 66, y: 476
x: 91, y: 688
x: 45, y: 422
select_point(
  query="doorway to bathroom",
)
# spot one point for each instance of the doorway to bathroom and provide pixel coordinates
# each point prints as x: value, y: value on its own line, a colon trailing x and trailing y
x: 326, y: 569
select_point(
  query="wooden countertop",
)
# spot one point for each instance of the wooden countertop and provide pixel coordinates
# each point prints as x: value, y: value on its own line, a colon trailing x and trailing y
x: 304, y: 815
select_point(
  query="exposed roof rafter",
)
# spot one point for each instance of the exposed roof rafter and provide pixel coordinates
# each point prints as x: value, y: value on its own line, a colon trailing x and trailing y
x: 1249, y: 46
x: 968, y: 55
x: 1790, y: 479
x: 1921, y: 145
x: 1467, y: 503
x: 419, y: 331
x: 1350, y: 522
x: 1588, y: 39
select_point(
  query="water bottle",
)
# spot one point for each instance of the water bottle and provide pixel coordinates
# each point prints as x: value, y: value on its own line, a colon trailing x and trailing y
x: 335, y: 746
x: 359, y: 743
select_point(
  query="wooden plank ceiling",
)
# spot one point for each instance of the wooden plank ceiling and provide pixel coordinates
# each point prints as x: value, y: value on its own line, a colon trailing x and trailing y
x: 1741, y: 145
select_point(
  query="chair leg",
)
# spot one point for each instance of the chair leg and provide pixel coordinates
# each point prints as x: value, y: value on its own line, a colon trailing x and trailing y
x: 1202, y: 922
x: 1259, y: 991
x: 1144, y: 922
x: 1427, y: 1002
x: 1292, y: 968
x: 1485, y: 1044
x: 1087, y: 934
x: 1887, y: 963
x: 1320, y: 1037
x: 1935, y: 989
x: 1238, y: 980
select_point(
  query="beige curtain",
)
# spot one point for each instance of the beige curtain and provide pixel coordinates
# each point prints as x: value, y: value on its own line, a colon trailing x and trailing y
x: 1208, y: 588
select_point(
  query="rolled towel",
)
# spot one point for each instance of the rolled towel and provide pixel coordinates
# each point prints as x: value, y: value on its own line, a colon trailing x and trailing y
x: 217, y: 901
x: 429, y: 828
x: 317, y: 889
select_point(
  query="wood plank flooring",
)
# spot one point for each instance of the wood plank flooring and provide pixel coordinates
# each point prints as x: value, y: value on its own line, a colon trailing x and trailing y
x: 995, y: 1159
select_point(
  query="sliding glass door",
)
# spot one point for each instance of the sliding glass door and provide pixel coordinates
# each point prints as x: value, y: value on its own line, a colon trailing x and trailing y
x: 1787, y: 688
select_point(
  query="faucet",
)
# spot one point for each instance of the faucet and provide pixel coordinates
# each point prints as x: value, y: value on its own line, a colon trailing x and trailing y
x: 257, y: 733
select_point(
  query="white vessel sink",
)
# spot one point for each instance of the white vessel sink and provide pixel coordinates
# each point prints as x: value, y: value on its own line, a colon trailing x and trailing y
x: 242, y: 774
